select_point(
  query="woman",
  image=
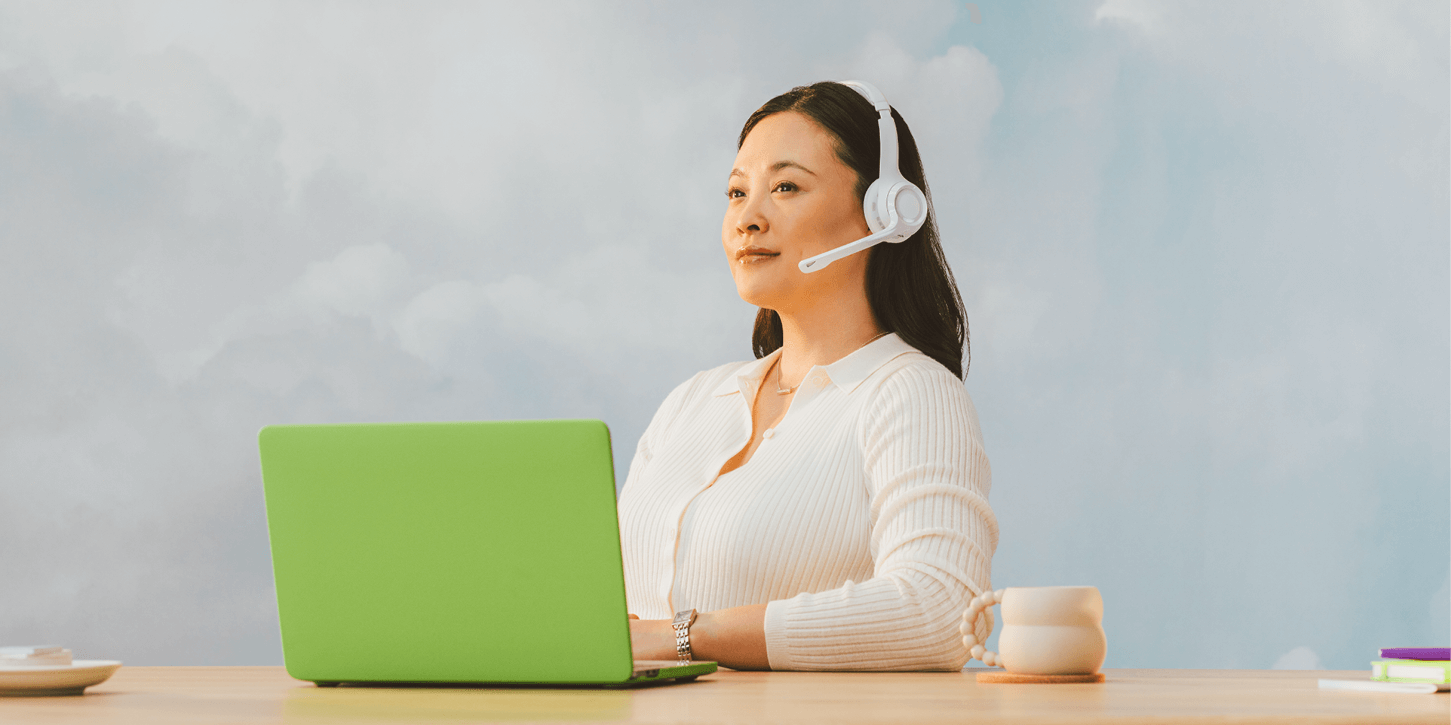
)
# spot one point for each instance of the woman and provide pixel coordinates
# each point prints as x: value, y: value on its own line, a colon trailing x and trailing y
x: 823, y: 507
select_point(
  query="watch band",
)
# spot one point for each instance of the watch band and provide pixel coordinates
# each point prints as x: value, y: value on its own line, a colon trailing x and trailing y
x: 681, y: 624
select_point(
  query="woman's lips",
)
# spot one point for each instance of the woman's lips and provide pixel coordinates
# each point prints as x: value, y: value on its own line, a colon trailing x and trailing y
x: 755, y: 255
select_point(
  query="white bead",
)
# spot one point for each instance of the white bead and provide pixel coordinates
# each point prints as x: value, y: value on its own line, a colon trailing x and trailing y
x: 989, y: 659
x: 977, y: 651
x: 969, y: 641
x: 972, y: 610
x: 965, y: 644
x: 998, y: 595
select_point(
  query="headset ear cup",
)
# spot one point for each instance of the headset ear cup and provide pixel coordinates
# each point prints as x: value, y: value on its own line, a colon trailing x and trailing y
x: 874, y: 207
x: 911, y: 206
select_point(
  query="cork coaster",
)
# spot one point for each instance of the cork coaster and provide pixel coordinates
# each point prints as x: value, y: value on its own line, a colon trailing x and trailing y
x: 1008, y: 678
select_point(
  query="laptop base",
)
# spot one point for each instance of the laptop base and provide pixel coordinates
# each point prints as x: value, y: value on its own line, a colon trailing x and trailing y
x: 647, y: 672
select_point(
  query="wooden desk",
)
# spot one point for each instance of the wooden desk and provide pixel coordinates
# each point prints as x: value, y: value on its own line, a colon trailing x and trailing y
x: 159, y: 695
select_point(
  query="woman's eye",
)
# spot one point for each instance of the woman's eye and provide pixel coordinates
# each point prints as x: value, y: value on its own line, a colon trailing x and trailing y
x: 785, y: 186
x: 734, y: 193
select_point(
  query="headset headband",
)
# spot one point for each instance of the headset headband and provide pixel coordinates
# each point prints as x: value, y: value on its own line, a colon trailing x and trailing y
x: 886, y: 127
x: 894, y: 207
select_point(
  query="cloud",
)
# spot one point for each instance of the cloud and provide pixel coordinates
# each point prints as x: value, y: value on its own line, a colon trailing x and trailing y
x: 1299, y: 658
x: 1196, y: 242
x: 359, y: 281
x: 1192, y: 283
x: 221, y: 217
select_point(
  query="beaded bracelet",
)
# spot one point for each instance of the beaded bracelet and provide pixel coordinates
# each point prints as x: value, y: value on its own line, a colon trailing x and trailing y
x: 980, y: 605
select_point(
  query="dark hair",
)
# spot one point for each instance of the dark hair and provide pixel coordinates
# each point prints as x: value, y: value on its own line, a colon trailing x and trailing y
x: 909, y: 287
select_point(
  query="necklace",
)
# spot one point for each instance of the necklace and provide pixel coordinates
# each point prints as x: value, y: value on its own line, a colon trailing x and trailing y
x: 792, y: 389
x: 779, y: 390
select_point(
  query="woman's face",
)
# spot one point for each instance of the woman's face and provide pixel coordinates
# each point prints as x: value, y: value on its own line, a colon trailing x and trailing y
x: 791, y: 198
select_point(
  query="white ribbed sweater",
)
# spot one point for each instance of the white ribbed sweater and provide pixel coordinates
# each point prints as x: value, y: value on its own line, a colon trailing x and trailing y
x: 862, y: 519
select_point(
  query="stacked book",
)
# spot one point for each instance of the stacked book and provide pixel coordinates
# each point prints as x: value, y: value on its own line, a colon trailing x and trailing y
x: 1403, y: 669
x: 1430, y: 665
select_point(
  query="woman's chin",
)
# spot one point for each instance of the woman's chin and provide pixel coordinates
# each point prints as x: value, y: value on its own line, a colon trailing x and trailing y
x: 759, y: 296
x: 760, y: 290
x: 775, y: 291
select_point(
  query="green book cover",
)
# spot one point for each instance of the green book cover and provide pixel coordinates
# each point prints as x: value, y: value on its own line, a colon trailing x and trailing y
x: 1433, y: 671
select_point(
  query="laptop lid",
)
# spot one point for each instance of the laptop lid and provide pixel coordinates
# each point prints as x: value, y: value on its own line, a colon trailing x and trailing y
x: 447, y: 552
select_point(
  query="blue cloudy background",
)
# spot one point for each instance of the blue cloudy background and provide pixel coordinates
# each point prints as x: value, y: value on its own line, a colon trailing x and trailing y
x: 1203, y: 247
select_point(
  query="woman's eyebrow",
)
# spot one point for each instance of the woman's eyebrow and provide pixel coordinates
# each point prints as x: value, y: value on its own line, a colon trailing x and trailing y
x: 790, y: 164
x: 774, y: 167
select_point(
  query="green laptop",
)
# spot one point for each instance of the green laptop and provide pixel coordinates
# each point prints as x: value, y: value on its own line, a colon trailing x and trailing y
x: 451, y: 553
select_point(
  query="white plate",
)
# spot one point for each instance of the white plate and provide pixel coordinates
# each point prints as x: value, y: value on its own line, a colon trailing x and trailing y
x: 55, y: 680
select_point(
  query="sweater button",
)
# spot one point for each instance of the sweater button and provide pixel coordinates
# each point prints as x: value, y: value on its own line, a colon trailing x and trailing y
x: 819, y: 381
x: 769, y: 433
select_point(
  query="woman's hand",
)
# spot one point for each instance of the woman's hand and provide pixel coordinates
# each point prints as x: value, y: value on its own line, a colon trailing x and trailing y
x: 652, y: 639
x: 735, y: 637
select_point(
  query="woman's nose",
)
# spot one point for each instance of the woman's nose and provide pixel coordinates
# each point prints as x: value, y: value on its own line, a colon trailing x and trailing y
x: 752, y: 219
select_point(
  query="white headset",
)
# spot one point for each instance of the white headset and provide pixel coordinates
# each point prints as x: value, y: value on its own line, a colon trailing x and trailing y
x: 894, y: 207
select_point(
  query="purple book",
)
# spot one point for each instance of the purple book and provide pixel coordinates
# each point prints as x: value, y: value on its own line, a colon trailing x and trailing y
x: 1416, y: 653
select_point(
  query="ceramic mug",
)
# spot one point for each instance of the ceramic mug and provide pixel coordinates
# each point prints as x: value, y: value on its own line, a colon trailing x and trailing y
x: 1046, y: 630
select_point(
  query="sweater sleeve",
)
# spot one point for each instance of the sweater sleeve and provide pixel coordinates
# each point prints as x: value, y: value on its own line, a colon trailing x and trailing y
x: 932, y: 540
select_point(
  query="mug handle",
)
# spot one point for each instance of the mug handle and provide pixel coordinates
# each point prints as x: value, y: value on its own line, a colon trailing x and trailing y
x: 980, y: 604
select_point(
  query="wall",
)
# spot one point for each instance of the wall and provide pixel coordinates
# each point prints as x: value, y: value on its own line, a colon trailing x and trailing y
x: 1203, y: 249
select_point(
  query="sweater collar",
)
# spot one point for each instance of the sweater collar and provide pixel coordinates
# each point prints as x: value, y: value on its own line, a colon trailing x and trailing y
x: 846, y: 373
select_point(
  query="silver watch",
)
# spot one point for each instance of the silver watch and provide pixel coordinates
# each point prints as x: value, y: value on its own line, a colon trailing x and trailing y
x: 681, y: 624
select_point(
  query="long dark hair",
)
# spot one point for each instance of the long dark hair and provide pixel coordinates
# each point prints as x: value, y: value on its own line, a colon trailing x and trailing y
x: 909, y: 287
